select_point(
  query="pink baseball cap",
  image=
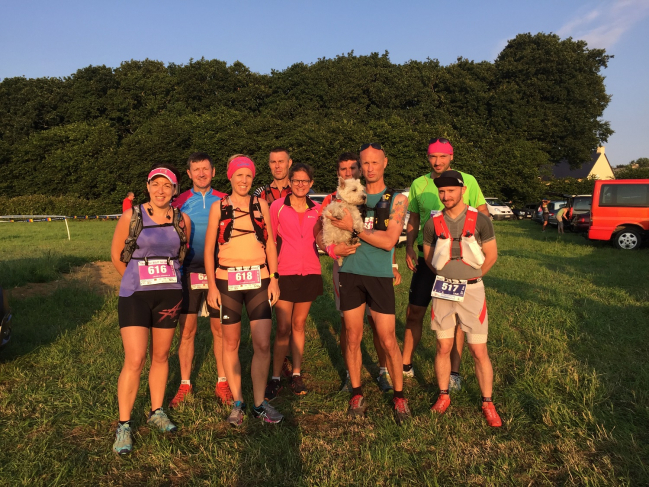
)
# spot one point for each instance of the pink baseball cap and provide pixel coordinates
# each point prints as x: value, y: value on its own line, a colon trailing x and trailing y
x: 163, y: 171
x: 238, y: 163
x: 440, y: 145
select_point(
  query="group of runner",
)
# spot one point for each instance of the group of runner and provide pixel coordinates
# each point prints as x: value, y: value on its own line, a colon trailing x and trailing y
x: 221, y: 251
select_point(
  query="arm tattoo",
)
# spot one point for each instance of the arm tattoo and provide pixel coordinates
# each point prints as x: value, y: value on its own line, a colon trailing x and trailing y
x: 398, y: 211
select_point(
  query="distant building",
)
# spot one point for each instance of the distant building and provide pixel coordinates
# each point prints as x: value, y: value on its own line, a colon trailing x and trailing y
x: 597, y: 168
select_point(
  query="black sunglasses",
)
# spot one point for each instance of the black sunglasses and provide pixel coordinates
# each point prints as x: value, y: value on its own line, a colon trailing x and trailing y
x: 373, y: 145
x: 441, y: 140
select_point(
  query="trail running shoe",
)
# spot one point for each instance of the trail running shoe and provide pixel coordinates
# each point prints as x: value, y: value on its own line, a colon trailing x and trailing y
x: 272, y: 389
x: 183, y: 390
x: 160, y: 420
x: 347, y: 385
x: 287, y: 368
x: 297, y: 384
x: 401, y: 410
x: 268, y: 413
x: 357, y: 406
x: 237, y: 414
x: 123, y: 439
x: 442, y: 404
x: 490, y: 414
x: 385, y: 382
x: 409, y: 373
x: 455, y: 384
x: 224, y: 393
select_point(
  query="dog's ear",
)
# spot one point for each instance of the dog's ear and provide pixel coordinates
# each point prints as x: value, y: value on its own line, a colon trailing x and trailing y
x: 341, y: 183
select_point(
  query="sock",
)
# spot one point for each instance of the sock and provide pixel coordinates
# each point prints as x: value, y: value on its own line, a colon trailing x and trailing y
x: 407, y: 367
x: 151, y: 413
x: 122, y: 423
x: 445, y: 391
x: 357, y: 391
x: 238, y: 404
x: 296, y: 374
x: 455, y: 374
x: 347, y: 373
x: 185, y: 382
x: 486, y: 399
x: 398, y: 395
x: 383, y: 370
x: 223, y: 379
x: 274, y: 378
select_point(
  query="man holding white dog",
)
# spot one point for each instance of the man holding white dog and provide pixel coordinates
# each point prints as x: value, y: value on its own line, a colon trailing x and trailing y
x: 366, y: 279
x: 460, y: 248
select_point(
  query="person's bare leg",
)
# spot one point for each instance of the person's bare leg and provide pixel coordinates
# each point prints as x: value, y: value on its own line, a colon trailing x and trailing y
x: 159, y: 372
x: 483, y: 370
x: 354, y: 335
x: 412, y: 337
x: 385, y: 324
x: 135, y: 340
x: 458, y: 346
x: 215, y: 324
x: 231, y: 339
x: 380, y: 353
x: 260, y: 334
x: 188, y: 324
x: 283, y: 313
x: 298, y: 326
x: 443, y: 362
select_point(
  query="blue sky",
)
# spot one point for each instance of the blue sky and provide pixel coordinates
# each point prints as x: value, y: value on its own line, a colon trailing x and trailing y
x: 47, y: 38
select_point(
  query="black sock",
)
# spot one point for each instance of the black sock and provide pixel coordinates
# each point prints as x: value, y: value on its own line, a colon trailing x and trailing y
x: 398, y: 394
x: 122, y: 423
x: 456, y: 374
x: 486, y: 399
x: 152, y: 412
x: 357, y: 391
x: 407, y: 367
x: 259, y: 408
x: 445, y: 391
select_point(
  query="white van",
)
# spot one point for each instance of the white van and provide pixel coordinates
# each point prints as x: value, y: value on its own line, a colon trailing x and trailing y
x: 499, y: 210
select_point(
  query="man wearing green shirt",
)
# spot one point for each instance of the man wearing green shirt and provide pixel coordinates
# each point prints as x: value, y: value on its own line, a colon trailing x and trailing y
x: 424, y: 201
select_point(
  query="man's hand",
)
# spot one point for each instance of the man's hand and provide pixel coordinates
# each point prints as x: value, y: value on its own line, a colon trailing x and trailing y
x: 411, y: 258
x: 343, y: 250
x: 345, y: 223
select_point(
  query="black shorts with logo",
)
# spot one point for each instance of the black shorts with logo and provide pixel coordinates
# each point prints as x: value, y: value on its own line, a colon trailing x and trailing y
x: 376, y: 292
x: 193, y: 298
x: 151, y: 309
x: 421, y: 285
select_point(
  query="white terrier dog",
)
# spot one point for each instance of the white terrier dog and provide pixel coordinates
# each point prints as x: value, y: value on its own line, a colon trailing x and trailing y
x: 351, y: 194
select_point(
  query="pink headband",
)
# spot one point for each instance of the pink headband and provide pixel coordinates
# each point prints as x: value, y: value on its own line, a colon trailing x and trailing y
x: 162, y: 171
x: 238, y: 163
x: 437, y: 146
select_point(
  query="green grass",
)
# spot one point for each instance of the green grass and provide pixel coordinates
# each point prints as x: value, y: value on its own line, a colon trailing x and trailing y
x: 39, y: 252
x: 568, y: 339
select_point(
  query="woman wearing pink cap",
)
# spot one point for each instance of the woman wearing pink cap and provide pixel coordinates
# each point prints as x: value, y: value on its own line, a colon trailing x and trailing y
x: 246, y: 273
x: 148, y: 246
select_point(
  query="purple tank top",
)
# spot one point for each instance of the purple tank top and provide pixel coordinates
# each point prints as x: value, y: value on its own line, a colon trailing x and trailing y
x: 158, y: 242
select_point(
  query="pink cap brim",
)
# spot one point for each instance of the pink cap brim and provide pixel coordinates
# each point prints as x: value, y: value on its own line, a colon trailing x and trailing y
x: 163, y: 171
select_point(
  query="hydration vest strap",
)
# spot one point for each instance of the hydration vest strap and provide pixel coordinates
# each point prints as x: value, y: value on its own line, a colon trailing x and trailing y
x: 470, y: 221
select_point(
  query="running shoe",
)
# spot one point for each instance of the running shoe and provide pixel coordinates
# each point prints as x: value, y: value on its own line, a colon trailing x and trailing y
x: 401, y: 410
x: 357, y: 406
x: 455, y: 384
x: 237, y: 414
x: 297, y: 384
x: 160, y: 420
x: 490, y: 414
x: 409, y: 373
x: 183, y: 390
x: 347, y: 385
x: 268, y: 413
x: 224, y: 393
x: 123, y: 439
x: 287, y: 368
x: 272, y: 389
x: 385, y: 382
x: 442, y: 404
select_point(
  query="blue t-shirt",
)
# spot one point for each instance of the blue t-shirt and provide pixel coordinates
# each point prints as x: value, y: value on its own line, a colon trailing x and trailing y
x: 197, y: 206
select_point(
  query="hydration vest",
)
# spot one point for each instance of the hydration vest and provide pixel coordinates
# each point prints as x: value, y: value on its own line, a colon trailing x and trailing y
x: 381, y: 210
x: 135, y: 228
x: 269, y: 193
x: 226, y: 225
x: 470, y: 251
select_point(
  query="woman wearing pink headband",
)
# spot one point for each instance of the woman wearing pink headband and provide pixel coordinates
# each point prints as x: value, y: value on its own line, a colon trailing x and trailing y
x: 150, y: 296
x: 246, y: 272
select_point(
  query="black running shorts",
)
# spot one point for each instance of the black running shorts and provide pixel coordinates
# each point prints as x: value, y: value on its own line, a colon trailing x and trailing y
x: 256, y: 300
x: 300, y: 289
x: 375, y: 292
x: 152, y: 309
x: 192, y: 299
x: 421, y: 285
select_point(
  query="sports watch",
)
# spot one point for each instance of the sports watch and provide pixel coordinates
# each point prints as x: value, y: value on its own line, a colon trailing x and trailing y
x: 275, y: 275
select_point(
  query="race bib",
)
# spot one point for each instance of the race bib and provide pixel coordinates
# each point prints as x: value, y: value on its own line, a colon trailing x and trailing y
x: 197, y: 280
x: 156, y: 271
x: 368, y: 224
x: 451, y: 289
x: 241, y: 278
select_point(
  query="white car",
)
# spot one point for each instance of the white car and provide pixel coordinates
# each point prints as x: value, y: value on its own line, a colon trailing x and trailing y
x: 499, y: 210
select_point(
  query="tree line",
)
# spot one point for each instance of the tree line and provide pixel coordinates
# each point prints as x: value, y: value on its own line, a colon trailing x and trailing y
x: 95, y: 133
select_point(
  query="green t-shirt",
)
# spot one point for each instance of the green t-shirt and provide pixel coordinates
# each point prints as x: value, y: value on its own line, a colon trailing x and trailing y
x: 369, y: 260
x: 424, y: 199
x: 560, y: 214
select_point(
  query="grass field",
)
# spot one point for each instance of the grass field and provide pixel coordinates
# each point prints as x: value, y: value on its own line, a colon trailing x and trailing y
x: 568, y: 339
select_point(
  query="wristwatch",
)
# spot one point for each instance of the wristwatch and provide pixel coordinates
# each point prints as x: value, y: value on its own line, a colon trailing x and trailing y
x: 275, y: 275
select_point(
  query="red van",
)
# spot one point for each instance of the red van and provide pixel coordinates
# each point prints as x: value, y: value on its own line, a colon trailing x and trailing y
x: 620, y: 211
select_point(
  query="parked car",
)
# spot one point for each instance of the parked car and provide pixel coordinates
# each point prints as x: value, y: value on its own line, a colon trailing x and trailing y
x: 553, y: 207
x: 578, y: 206
x: 318, y: 197
x: 525, y: 212
x: 620, y: 212
x: 580, y: 223
x: 499, y: 210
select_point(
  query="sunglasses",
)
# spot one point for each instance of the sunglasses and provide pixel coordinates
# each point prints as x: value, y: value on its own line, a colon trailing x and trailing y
x: 441, y: 140
x: 373, y: 145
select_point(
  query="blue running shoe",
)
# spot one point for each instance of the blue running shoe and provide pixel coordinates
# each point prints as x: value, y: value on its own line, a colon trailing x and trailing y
x: 160, y: 420
x: 123, y: 439
x: 267, y: 413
